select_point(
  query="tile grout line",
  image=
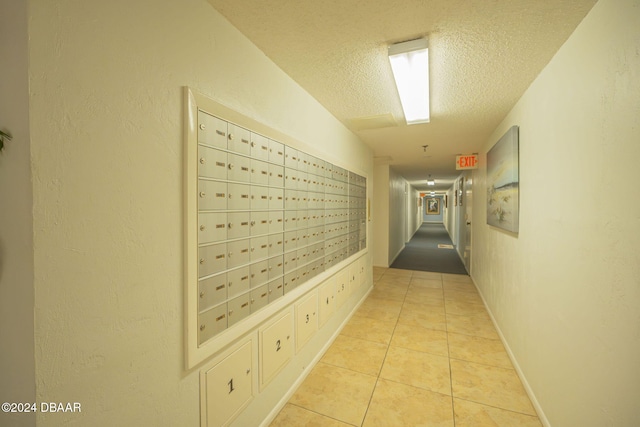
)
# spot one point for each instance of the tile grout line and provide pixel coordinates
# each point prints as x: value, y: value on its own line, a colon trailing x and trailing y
x: 319, y: 413
x: 446, y: 326
x: 498, y: 407
x: 385, y: 356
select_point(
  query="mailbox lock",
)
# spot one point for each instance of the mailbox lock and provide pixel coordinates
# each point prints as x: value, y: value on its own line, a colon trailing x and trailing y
x: 202, y: 327
x: 202, y: 194
x: 203, y: 160
x: 202, y: 227
x: 202, y: 126
x: 201, y: 260
x: 231, y: 136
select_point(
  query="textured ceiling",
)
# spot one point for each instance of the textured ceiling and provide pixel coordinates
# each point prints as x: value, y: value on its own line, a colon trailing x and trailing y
x: 483, y: 56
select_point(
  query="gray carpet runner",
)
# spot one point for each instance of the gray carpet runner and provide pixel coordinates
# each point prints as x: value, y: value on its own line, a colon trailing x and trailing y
x: 422, y: 252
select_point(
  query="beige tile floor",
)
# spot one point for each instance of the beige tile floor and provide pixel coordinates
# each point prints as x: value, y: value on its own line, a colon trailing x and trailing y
x: 420, y: 351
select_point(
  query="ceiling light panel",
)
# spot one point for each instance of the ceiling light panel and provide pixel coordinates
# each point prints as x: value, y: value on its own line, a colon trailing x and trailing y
x: 410, y: 65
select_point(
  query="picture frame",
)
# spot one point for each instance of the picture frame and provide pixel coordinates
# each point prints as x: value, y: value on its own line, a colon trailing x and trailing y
x: 433, y: 206
x: 503, y: 182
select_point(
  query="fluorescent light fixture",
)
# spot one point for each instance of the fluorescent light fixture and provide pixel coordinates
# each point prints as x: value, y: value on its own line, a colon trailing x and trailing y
x: 410, y: 65
x: 433, y: 193
x: 431, y: 182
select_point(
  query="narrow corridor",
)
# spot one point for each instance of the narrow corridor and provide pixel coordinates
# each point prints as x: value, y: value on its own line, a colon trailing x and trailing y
x: 420, y: 351
x: 430, y: 249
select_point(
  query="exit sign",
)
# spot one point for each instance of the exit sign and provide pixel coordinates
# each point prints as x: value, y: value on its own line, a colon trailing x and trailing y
x: 467, y: 162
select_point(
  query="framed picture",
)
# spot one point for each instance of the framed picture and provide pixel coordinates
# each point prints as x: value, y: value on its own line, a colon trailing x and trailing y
x: 503, y: 182
x: 433, y: 206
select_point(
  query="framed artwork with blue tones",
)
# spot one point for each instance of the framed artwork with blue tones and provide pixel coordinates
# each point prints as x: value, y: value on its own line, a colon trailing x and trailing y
x: 503, y: 182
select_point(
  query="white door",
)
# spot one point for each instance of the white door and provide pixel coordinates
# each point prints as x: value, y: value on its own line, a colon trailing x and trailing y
x: 468, y: 196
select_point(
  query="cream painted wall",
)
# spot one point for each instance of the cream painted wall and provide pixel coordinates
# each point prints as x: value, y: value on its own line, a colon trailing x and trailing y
x: 397, y: 214
x: 17, y: 367
x: 380, y: 216
x: 107, y: 132
x: 415, y: 212
x: 393, y: 216
x: 565, y: 292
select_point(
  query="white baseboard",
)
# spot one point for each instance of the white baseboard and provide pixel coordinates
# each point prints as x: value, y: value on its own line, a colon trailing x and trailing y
x: 276, y: 409
x: 523, y: 379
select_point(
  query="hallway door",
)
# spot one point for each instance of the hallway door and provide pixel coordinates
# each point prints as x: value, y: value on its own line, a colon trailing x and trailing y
x: 468, y: 196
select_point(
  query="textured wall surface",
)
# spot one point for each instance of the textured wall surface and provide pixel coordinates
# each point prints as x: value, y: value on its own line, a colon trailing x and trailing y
x: 107, y: 133
x: 566, y: 291
x: 380, y: 216
x: 17, y: 368
x: 397, y: 214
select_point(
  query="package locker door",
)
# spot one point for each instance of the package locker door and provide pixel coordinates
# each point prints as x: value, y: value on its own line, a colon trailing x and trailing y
x: 229, y: 386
